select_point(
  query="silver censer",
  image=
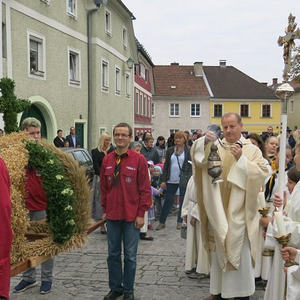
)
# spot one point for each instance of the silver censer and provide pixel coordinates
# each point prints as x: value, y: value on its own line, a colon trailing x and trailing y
x: 214, y: 164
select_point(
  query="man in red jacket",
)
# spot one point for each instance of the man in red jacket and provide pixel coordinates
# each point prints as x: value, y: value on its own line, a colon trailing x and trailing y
x: 125, y: 196
x: 5, y: 231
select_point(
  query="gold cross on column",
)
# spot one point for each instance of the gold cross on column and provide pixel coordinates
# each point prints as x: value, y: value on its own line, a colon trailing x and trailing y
x: 288, y: 44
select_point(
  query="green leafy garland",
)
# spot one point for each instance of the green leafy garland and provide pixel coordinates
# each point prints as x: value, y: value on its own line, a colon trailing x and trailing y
x: 60, y: 195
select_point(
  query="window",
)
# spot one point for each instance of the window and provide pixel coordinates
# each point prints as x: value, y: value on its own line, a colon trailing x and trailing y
x: 266, y: 111
x: 4, y: 41
x: 104, y: 76
x: 195, y: 109
x: 142, y: 71
x: 244, y: 110
x: 137, y: 102
x: 124, y: 37
x: 174, y: 109
x: 102, y: 130
x: 141, y: 105
x: 173, y: 131
x: 72, y: 7
x: 153, y: 110
x: 149, y: 107
x: 291, y: 106
x: 118, y: 81
x: 145, y: 106
x: 74, y: 67
x: 218, y: 110
x: 36, y: 54
x: 127, y: 85
x: 108, y: 22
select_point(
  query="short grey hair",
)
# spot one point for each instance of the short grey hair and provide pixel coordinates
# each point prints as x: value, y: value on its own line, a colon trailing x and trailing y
x: 30, y: 122
x: 136, y: 145
x: 238, y: 117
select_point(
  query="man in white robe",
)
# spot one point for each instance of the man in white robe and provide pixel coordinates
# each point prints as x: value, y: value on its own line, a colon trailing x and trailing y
x: 196, y: 256
x: 228, y: 210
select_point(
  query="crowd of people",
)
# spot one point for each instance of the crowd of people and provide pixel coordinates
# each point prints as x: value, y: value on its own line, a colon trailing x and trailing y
x: 139, y: 182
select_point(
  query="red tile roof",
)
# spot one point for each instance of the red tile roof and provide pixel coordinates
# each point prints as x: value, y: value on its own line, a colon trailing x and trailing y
x: 181, y: 77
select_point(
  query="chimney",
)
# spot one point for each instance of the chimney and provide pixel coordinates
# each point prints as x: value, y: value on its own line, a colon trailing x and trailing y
x: 222, y: 63
x: 275, y: 81
x: 174, y: 64
x: 198, y: 69
x: 264, y: 83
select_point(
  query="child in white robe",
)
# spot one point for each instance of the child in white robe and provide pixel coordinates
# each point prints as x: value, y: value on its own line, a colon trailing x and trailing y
x: 275, y: 287
x: 292, y: 273
x: 196, y: 256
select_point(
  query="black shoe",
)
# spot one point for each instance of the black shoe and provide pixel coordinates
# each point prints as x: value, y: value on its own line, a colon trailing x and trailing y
x: 113, y: 295
x: 128, y: 296
x: 145, y: 237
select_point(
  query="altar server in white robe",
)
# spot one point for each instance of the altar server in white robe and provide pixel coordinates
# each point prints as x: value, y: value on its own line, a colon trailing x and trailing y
x: 228, y: 210
x: 292, y: 273
x: 275, y: 287
x: 196, y: 256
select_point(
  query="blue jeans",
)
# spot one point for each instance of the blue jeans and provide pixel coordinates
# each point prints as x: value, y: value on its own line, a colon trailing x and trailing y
x: 169, y: 200
x: 118, y: 231
x: 47, y: 266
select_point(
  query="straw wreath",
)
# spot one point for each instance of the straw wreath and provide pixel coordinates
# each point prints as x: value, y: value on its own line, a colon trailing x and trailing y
x: 66, y: 225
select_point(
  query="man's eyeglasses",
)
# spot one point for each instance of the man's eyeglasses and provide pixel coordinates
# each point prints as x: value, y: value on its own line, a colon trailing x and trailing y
x: 122, y: 135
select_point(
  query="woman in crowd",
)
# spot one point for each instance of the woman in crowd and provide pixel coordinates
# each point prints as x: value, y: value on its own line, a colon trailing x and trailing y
x: 160, y: 147
x: 104, y: 147
x: 176, y: 173
x: 258, y: 142
x: 271, y: 145
x: 149, y: 151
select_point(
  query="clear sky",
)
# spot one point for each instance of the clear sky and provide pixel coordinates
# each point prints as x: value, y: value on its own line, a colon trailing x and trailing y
x: 242, y: 32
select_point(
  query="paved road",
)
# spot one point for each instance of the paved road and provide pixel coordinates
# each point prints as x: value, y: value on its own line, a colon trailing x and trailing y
x: 82, y: 274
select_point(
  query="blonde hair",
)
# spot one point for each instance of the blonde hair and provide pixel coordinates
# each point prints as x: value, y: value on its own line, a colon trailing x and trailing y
x: 180, y: 134
x: 30, y: 122
x: 102, y: 138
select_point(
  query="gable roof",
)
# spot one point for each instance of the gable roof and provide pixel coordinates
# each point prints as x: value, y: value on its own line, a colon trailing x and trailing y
x: 180, y: 77
x: 144, y: 52
x: 229, y: 82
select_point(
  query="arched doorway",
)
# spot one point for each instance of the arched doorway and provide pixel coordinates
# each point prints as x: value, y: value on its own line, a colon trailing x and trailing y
x: 43, y: 111
x: 34, y: 112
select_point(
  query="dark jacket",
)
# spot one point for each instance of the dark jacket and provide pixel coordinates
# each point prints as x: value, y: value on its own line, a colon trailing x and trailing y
x: 70, y: 140
x: 292, y: 141
x: 97, y: 157
x: 186, y: 167
x: 150, y: 154
x: 58, y: 142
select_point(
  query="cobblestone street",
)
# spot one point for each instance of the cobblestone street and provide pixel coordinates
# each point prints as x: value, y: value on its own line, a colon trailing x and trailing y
x: 82, y: 274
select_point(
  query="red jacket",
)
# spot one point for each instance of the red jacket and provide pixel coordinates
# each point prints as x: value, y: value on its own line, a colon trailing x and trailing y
x: 35, y: 195
x: 131, y: 196
x: 6, y: 234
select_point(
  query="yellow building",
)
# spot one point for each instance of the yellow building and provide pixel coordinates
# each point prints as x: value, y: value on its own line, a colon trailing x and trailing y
x: 294, y: 106
x: 233, y: 91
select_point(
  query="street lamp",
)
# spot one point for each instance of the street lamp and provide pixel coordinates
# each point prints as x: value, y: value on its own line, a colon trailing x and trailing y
x: 130, y: 63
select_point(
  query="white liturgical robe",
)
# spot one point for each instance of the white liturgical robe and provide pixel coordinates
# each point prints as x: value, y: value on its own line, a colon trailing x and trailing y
x: 228, y: 213
x: 196, y: 255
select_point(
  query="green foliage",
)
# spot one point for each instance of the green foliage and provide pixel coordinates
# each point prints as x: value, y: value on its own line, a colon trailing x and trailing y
x: 60, y: 197
x: 10, y: 105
